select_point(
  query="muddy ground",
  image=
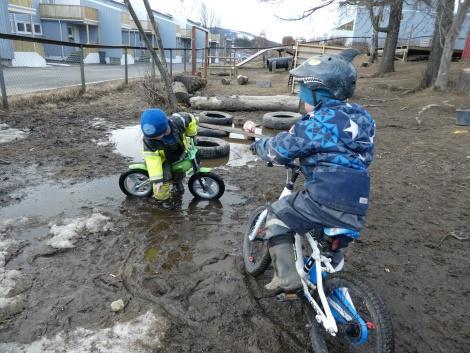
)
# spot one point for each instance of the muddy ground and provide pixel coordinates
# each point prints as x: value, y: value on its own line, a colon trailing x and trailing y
x: 184, y: 265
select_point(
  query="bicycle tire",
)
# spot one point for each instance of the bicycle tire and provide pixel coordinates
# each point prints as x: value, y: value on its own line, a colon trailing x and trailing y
x: 317, y: 339
x: 194, y: 186
x: 257, y: 268
x: 377, y: 319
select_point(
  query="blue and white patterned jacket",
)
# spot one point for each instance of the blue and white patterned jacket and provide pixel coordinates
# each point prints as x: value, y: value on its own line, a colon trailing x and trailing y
x: 335, y: 145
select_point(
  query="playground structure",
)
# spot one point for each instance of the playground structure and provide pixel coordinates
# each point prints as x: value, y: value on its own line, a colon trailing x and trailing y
x: 236, y: 57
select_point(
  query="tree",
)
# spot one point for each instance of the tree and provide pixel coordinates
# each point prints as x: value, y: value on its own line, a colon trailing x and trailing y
x: 171, y: 98
x: 392, y: 29
x: 443, y: 21
x: 208, y: 17
x: 442, y: 79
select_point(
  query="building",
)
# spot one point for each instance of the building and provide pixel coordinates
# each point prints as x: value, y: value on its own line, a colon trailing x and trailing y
x: 416, y: 29
x: 105, y: 22
x: 21, y: 17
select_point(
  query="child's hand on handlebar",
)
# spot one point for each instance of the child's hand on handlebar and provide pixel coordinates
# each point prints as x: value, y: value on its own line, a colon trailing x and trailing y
x: 253, y: 148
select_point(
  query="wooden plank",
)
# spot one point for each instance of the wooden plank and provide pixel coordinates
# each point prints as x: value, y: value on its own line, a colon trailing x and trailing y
x: 230, y: 129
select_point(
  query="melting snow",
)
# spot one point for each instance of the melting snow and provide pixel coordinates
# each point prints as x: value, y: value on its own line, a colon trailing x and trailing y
x: 64, y: 236
x: 9, y: 134
x: 13, y: 284
x: 142, y: 334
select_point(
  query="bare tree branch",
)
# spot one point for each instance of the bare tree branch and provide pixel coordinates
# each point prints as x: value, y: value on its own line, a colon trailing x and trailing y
x: 308, y: 12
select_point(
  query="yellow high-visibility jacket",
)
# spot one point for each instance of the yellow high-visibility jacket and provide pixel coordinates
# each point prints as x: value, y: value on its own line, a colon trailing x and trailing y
x: 157, y: 152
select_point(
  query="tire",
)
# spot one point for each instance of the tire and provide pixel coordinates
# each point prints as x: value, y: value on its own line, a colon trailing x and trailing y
x: 210, y: 147
x: 215, y: 184
x: 256, y: 256
x: 370, y: 307
x: 211, y: 132
x: 317, y: 339
x: 130, y: 178
x: 280, y: 120
x: 215, y: 118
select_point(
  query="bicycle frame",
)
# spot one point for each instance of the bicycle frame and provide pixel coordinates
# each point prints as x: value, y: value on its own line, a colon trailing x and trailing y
x: 320, y: 262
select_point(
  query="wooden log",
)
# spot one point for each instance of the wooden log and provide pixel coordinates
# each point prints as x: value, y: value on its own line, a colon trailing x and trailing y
x: 235, y: 103
x: 181, y: 92
x: 230, y: 129
x: 463, y: 84
x: 192, y: 83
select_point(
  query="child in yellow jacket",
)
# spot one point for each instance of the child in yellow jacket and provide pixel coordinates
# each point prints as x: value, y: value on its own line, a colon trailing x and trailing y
x: 164, y: 143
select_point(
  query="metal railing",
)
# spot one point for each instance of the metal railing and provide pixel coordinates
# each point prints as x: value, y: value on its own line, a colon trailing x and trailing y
x: 59, y: 64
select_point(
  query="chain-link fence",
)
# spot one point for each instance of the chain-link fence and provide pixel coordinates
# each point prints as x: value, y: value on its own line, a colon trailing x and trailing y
x: 32, y: 64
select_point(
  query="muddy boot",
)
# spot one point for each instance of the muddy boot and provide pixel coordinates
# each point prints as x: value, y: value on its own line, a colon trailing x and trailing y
x: 286, y: 279
x: 166, y: 204
x: 179, y: 186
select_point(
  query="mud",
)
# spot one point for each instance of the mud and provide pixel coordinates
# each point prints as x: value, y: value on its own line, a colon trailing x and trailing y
x: 179, y: 272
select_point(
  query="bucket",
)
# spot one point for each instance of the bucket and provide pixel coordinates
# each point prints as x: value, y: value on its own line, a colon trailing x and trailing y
x: 463, y: 117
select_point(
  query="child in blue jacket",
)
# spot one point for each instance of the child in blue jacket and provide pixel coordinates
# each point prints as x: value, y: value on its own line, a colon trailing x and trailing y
x: 334, y: 143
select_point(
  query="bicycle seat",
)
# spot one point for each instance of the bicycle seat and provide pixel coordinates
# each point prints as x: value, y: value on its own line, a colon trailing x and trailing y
x: 341, y: 231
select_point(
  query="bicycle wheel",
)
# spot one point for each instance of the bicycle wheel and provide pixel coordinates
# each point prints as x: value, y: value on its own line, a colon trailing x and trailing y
x: 130, y: 179
x: 255, y: 253
x: 363, y: 322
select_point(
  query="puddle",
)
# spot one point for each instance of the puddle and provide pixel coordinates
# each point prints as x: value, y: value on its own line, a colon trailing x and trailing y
x: 128, y: 142
x: 9, y: 134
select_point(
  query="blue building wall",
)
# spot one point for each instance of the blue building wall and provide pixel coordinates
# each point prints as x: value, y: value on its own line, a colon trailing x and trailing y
x: 109, y: 16
x: 6, y: 49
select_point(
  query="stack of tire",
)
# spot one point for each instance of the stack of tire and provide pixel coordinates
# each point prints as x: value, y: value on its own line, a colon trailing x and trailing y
x: 279, y: 63
x: 209, y: 141
x: 280, y: 120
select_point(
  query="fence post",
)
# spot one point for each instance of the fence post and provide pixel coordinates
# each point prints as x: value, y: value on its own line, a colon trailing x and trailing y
x: 171, y: 62
x: 126, y: 72
x: 3, y: 88
x: 82, y: 68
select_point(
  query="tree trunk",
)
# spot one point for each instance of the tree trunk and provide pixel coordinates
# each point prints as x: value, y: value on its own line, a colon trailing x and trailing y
x: 388, y: 57
x: 234, y: 103
x: 156, y: 30
x: 464, y: 81
x: 172, y: 102
x: 374, y: 43
x: 443, y: 21
x: 442, y: 79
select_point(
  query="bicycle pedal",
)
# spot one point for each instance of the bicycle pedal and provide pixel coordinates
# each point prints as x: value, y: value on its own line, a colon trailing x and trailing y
x: 287, y: 297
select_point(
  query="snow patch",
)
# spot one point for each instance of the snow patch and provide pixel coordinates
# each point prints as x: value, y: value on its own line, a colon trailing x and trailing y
x: 142, y: 334
x: 9, y: 134
x: 28, y: 59
x: 64, y: 236
x: 92, y: 58
x: 13, y: 284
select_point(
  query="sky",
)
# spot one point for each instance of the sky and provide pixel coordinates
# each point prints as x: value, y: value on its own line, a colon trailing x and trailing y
x: 254, y: 16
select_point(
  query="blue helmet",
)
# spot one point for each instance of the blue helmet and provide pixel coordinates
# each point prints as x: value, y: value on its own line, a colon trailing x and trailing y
x: 334, y: 73
x: 153, y: 122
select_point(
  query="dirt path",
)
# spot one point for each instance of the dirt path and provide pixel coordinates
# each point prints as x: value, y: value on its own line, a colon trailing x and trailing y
x: 184, y: 266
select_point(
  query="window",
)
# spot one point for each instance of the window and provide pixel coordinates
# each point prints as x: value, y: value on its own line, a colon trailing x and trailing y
x: 23, y: 27
x: 37, y: 29
x: 20, y: 27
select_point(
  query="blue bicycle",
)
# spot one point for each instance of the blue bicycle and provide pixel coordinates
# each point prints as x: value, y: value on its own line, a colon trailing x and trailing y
x: 353, y: 316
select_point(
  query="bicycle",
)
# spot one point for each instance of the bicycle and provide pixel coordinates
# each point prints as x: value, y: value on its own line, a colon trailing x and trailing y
x: 202, y: 183
x: 352, y: 315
